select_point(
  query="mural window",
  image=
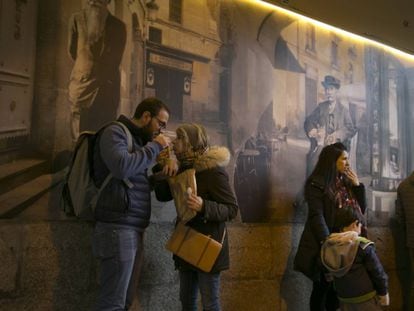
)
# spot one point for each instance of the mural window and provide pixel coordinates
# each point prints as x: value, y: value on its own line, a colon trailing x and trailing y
x: 334, y: 53
x: 176, y: 11
x: 135, y: 28
x: 352, y: 52
x: 311, y: 86
x: 392, y: 169
x: 349, y: 74
x: 310, y: 38
x: 155, y: 35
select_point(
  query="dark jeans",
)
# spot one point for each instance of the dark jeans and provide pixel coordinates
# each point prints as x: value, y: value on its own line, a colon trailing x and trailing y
x: 119, y: 251
x: 209, y: 284
x: 323, y: 296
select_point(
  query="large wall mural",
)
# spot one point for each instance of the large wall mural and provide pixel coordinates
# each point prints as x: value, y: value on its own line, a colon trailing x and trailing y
x: 274, y: 88
x: 271, y: 86
x: 319, y: 87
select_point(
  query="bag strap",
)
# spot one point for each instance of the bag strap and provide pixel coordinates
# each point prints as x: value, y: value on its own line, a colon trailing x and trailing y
x: 105, y: 182
x: 127, y: 182
x: 224, y: 235
x: 127, y: 132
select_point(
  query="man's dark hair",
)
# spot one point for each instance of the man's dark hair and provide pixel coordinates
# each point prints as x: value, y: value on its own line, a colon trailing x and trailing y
x: 345, y: 216
x: 152, y: 105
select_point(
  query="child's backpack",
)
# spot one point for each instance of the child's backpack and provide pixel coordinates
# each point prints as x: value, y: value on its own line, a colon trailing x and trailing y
x: 79, y: 193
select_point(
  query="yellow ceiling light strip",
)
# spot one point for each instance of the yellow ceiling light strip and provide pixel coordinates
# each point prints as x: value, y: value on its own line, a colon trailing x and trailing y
x: 335, y: 29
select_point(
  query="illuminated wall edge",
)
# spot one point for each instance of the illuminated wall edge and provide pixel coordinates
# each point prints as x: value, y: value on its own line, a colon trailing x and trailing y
x: 390, y: 49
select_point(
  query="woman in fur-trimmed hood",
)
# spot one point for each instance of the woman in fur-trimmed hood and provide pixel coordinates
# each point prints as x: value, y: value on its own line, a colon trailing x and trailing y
x: 215, y: 203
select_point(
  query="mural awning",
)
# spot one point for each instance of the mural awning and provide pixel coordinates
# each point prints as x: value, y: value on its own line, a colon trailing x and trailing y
x: 275, y: 47
x: 284, y: 58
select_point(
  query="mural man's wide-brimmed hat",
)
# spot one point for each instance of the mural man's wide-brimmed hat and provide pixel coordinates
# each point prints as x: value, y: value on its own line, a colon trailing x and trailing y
x: 331, y: 81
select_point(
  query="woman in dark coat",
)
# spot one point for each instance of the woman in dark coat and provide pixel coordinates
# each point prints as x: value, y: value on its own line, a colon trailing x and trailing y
x: 332, y: 185
x: 215, y: 203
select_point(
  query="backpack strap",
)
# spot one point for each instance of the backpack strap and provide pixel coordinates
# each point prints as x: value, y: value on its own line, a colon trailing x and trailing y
x: 95, y: 198
x: 127, y: 132
x: 127, y: 182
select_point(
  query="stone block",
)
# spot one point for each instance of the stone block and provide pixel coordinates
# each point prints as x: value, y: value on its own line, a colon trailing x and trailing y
x: 9, y: 262
x: 251, y: 253
x: 56, y: 266
x: 247, y: 295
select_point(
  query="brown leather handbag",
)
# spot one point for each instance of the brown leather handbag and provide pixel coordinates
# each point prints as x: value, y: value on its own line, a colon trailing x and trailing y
x: 194, y: 247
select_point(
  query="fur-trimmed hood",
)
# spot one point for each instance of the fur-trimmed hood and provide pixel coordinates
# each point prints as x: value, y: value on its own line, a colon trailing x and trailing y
x: 213, y: 157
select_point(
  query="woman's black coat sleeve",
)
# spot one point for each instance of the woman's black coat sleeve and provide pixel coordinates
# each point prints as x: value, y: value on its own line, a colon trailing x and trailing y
x: 221, y: 204
x: 359, y: 192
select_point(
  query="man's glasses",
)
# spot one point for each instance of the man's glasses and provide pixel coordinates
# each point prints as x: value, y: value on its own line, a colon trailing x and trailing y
x: 162, y: 125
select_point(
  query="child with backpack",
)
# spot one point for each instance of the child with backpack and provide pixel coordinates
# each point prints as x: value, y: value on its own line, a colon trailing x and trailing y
x: 358, y: 275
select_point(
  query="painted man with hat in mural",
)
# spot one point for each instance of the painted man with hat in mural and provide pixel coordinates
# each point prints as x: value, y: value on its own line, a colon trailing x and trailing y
x: 330, y: 122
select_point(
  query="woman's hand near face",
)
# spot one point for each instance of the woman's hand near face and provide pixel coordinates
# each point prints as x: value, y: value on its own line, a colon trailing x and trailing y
x: 352, y: 176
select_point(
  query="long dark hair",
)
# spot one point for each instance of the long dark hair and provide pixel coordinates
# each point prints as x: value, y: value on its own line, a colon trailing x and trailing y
x: 325, y: 169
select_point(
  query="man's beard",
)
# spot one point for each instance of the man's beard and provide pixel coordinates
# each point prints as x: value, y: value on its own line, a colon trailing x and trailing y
x: 96, y: 19
x: 147, y: 133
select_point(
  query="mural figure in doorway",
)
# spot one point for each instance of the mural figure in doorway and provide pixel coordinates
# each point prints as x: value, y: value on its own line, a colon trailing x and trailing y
x: 96, y: 43
x: 330, y: 122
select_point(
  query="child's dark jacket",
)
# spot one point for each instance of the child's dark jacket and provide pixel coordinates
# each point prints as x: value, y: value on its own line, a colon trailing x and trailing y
x: 352, y: 261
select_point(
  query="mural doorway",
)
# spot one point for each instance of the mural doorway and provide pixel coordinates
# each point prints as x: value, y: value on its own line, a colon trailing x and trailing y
x: 169, y: 88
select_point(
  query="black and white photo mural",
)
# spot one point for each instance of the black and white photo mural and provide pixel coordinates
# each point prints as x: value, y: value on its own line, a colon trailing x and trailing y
x: 270, y: 85
x: 275, y: 88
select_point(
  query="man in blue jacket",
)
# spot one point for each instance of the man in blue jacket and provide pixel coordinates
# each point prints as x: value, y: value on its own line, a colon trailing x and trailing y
x: 123, y: 209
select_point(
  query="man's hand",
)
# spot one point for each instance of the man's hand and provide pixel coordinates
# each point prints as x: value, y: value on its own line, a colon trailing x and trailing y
x: 163, y: 140
x: 171, y: 167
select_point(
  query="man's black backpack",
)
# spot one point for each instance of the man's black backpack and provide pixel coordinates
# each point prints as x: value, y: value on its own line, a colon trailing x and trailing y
x: 79, y: 193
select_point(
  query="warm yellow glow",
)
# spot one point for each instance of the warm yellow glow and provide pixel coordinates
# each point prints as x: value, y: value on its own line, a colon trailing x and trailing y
x: 335, y: 29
